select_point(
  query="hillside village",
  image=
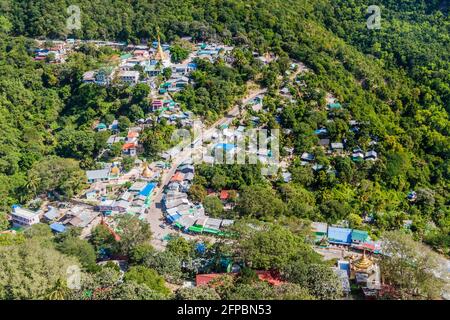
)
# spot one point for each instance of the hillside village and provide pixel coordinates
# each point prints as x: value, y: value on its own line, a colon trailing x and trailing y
x: 116, y: 189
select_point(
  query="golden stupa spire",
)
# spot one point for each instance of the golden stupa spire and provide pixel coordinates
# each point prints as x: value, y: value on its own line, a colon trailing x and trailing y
x: 364, y: 263
x: 160, y: 55
x: 146, y: 172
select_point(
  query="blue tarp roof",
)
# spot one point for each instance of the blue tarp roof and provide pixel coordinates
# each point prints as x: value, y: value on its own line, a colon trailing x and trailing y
x: 57, y: 227
x: 226, y: 146
x: 339, y: 235
x: 148, y: 189
x: 173, y: 217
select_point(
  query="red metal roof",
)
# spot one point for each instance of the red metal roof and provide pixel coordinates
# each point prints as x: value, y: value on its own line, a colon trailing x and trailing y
x: 128, y: 146
x: 133, y: 134
x: 177, y: 177
x: 224, y: 195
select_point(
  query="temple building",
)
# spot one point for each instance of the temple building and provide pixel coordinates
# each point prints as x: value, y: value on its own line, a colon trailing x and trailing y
x: 366, y: 274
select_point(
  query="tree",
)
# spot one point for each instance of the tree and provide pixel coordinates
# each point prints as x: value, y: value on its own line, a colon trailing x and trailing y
x: 270, y: 246
x: 31, y: 270
x: 78, y: 248
x: 131, y: 290
x: 167, y: 73
x: 132, y: 232
x: 178, y: 53
x: 197, y: 293
x: 101, y: 238
x: 148, y: 277
x: 260, y: 202
x: 167, y: 264
x: 140, y: 253
x: 197, y: 193
x: 410, y: 266
x: 213, y: 206
x: 4, y: 222
x: 5, y: 25
x: 218, y: 181
x: 54, y: 174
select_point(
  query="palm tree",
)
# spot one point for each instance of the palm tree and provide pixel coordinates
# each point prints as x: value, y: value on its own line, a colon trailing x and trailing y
x: 59, y: 291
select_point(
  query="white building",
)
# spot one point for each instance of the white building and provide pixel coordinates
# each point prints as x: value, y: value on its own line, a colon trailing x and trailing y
x: 24, y: 217
x: 129, y: 77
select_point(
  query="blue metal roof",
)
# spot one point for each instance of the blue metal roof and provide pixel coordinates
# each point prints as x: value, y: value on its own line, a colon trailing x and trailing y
x: 226, y: 146
x: 57, y: 227
x: 148, y: 189
x: 173, y: 217
x: 339, y: 235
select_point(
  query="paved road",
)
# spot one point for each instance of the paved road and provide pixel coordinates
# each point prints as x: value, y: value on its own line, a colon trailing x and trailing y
x: 155, y: 213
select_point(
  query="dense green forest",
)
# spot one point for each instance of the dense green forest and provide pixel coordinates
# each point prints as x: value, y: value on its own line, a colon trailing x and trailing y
x: 396, y: 79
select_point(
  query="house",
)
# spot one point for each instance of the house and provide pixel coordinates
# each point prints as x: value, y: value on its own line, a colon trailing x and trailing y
x: 101, y: 127
x: 224, y: 195
x: 114, y: 125
x: 371, y: 155
x: 96, y: 190
x: 94, y: 176
x: 357, y: 156
x: 189, y: 176
x: 129, y: 77
x: 337, y: 146
x: 129, y: 149
x: 157, y: 105
x: 51, y: 214
x: 334, y: 106
x: 186, y: 168
x: 177, y: 177
x: 89, y: 77
x: 57, y: 227
x: 104, y: 76
x: 308, y: 157
x: 344, y: 278
x: 23, y: 217
x: 114, y: 139
x: 320, y: 230
x: 338, y: 235
x: 321, y: 131
x: 287, y: 176
x: 324, y: 143
x: 359, y: 237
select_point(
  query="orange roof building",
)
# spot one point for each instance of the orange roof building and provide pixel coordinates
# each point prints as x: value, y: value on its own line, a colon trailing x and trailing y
x: 224, y: 195
x: 177, y: 177
x: 128, y: 146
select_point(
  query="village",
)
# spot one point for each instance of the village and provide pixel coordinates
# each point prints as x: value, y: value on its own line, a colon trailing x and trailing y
x: 157, y: 192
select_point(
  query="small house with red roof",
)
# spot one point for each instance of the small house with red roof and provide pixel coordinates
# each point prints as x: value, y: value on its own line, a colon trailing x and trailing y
x: 129, y: 149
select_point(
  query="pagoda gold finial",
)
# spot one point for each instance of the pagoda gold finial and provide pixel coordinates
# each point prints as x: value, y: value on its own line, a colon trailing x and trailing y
x: 363, y: 263
x: 160, y: 55
x: 146, y: 172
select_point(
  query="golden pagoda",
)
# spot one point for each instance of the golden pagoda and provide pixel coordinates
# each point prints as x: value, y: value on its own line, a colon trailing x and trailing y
x: 146, y: 172
x: 115, y: 171
x: 362, y: 264
x: 160, y: 54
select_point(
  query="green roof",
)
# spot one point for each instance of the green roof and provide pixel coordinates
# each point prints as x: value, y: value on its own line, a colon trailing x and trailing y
x: 336, y: 105
x: 126, y: 56
x: 359, y: 235
x: 195, y: 229
x: 178, y: 225
x: 213, y: 231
